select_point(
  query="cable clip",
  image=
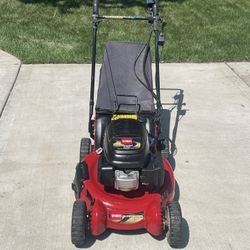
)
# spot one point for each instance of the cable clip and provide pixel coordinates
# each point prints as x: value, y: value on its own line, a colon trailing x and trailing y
x: 99, y: 151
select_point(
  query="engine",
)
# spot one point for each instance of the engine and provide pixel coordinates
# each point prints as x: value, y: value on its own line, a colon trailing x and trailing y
x: 127, y: 161
x: 126, y: 181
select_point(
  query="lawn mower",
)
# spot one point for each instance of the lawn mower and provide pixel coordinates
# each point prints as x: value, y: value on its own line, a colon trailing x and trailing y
x: 124, y: 180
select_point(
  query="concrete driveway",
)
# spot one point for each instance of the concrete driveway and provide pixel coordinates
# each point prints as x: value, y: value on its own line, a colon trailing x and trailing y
x: 44, y: 115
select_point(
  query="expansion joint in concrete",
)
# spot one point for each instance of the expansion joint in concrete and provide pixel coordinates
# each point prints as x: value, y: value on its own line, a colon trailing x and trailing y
x: 10, y: 91
x: 232, y: 69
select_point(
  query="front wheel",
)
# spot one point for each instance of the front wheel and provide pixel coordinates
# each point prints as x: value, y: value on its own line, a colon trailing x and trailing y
x: 79, y: 225
x: 173, y: 219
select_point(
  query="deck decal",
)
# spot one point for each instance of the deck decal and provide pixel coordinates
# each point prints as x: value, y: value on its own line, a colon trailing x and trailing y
x: 127, y: 218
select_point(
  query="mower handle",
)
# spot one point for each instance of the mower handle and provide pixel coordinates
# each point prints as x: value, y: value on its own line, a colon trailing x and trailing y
x: 95, y: 7
x: 154, y: 19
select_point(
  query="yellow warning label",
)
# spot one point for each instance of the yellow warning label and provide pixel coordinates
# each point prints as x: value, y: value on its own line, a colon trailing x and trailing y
x: 124, y: 116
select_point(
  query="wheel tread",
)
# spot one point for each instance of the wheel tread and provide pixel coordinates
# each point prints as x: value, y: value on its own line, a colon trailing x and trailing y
x: 175, y: 228
x: 84, y: 148
x: 79, y: 222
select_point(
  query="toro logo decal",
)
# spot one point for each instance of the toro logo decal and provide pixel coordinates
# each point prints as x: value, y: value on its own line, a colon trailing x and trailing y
x: 127, y: 218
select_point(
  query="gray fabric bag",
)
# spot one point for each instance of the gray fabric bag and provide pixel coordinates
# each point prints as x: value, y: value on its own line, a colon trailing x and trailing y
x: 119, y: 89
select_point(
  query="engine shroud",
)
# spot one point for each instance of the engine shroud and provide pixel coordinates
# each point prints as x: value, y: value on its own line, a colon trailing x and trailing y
x: 127, y: 161
x: 129, y: 133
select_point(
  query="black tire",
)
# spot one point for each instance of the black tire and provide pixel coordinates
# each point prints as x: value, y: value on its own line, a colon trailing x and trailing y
x: 85, y: 147
x: 79, y: 226
x: 174, y: 224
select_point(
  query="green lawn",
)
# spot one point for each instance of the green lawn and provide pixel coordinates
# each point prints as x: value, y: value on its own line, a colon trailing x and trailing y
x: 59, y: 31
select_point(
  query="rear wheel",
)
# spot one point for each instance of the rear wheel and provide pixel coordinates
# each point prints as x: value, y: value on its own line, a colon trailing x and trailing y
x: 173, y: 218
x: 79, y: 225
x: 85, y: 147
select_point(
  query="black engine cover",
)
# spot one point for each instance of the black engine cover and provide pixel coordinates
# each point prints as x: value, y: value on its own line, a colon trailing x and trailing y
x: 134, y: 156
